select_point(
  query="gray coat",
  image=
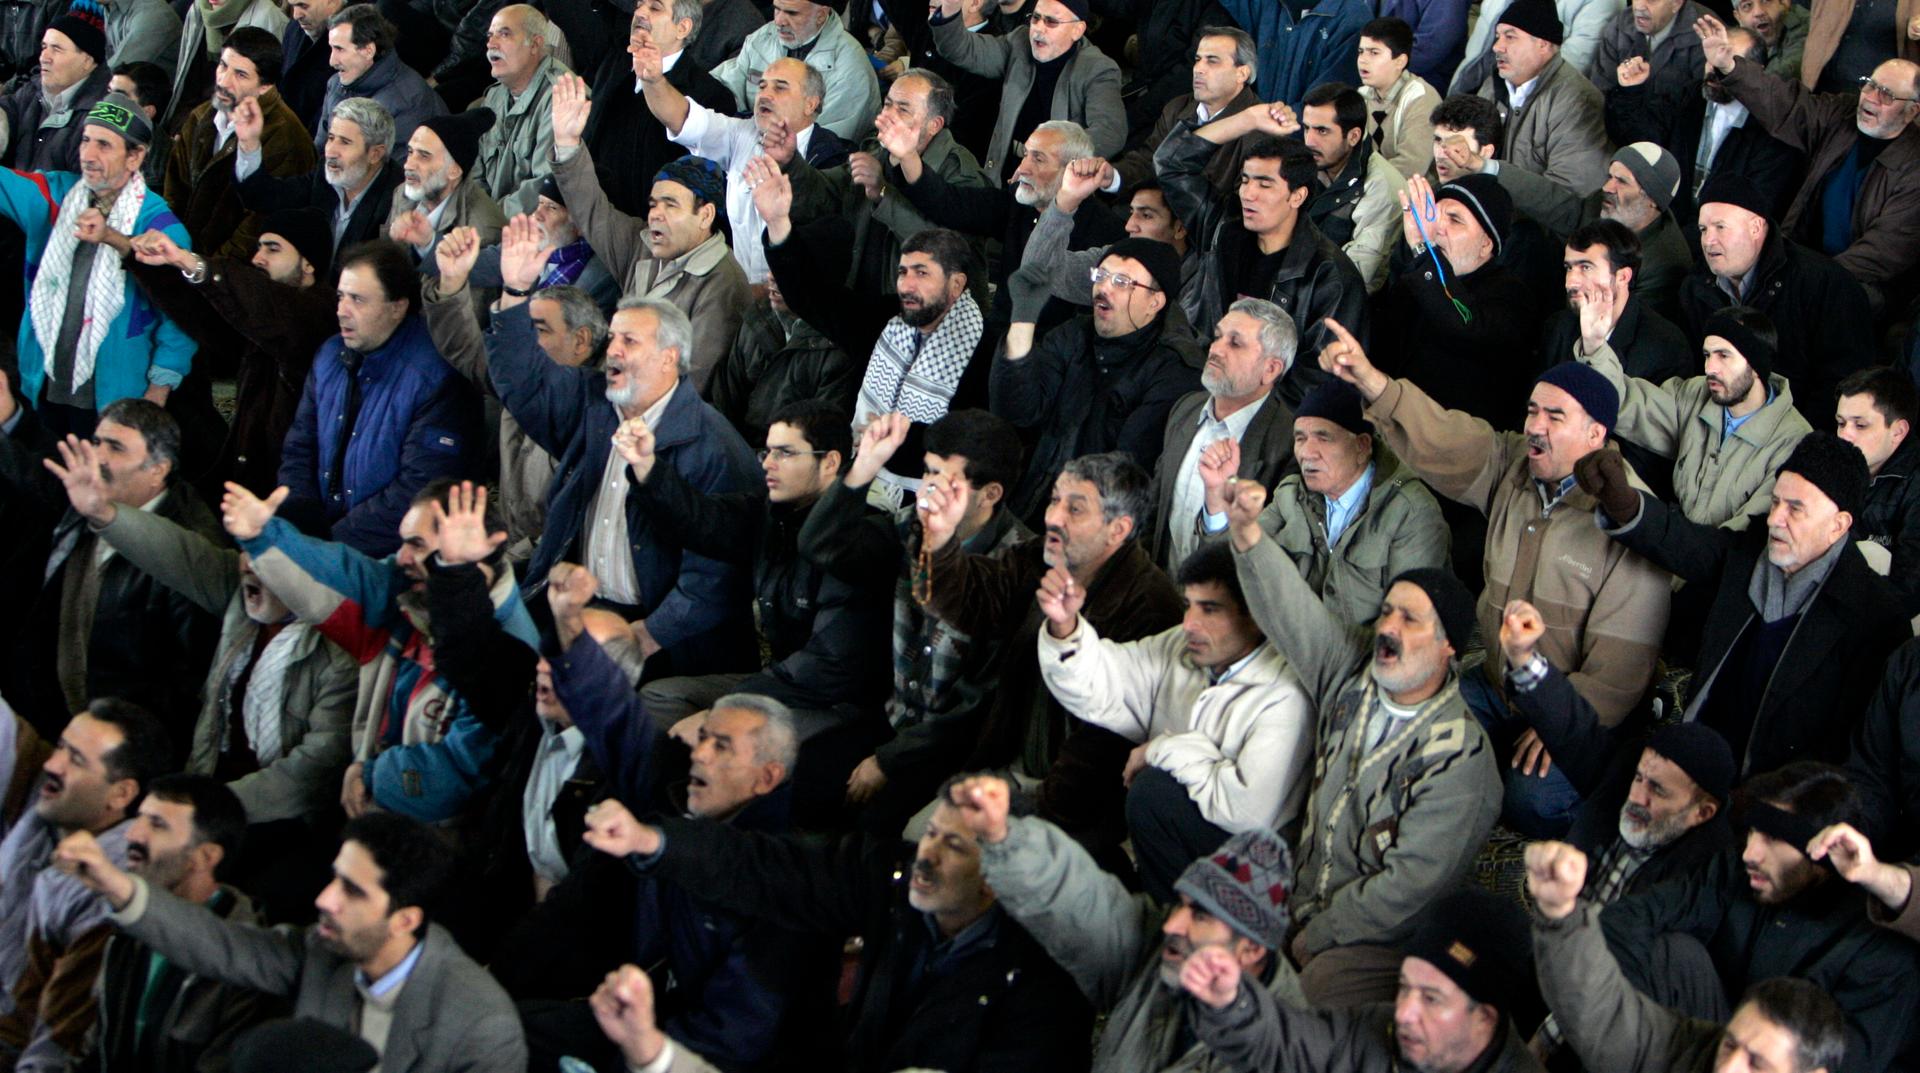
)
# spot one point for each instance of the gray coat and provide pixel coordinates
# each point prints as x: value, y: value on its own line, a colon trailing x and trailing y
x: 143, y: 30
x: 1677, y: 64
x: 1387, y: 827
x: 1607, y: 1022
x: 1088, y: 92
x: 1108, y: 940
x: 1399, y: 528
x: 1266, y: 451
x: 1561, y: 131
x: 321, y: 678
x: 517, y: 151
x: 399, y: 89
x: 451, y: 1017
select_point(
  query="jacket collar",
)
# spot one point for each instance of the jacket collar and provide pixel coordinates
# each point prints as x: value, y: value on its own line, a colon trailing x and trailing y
x: 536, y: 91
x: 1763, y: 423
x: 704, y: 258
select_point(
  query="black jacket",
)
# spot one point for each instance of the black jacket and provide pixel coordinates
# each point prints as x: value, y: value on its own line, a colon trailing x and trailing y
x: 1885, y: 766
x: 1832, y: 662
x: 768, y: 369
x: 1003, y: 1007
x: 56, y: 148
x: 1167, y: 31
x: 267, y: 194
x: 150, y: 644
x: 628, y: 144
x: 1483, y: 365
x: 1313, y: 281
x: 1820, y: 312
x: 1650, y: 347
x: 1083, y: 395
x: 822, y: 631
x: 1823, y: 936
x: 1892, y: 520
x: 303, y: 74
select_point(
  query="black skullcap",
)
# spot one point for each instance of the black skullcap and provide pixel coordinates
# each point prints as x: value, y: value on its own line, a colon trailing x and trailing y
x: 1832, y: 465
x: 1336, y: 401
x: 1536, y: 17
x: 1588, y: 387
x: 1452, y: 603
x: 1487, y: 200
x: 301, y: 1045
x: 460, y: 133
x: 1701, y: 752
x: 309, y: 231
x: 85, y: 24
x: 1160, y: 259
x: 1482, y: 942
x: 1757, y: 351
x: 1732, y: 188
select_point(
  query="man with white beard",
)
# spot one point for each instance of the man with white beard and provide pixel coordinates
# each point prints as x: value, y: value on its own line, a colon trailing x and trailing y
x: 435, y: 196
x: 352, y: 186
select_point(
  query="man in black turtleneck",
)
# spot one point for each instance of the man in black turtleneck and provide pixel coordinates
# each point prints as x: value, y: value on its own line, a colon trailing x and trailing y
x: 1100, y: 382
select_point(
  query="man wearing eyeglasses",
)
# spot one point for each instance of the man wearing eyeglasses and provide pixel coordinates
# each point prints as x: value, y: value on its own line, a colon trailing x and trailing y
x: 822, y: 631
x: 1048, y: 72
x: 1103, y: 381
x: 1860, y: 200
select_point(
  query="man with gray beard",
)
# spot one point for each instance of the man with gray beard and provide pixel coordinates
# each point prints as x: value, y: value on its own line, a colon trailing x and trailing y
x: 353, y: 185
x: 435, y: 196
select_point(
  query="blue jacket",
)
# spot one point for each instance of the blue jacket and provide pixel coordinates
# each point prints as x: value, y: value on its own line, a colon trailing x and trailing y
x: 689, y: 601
x: 425, y: 752
x: 1297, y: 56
x: 1439, y: 35
x: 143, y: 347
x: 418, y: 420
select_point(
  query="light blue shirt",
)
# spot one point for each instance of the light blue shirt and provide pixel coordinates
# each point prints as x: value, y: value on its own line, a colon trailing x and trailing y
x: 1730, y: 424
x: 1342, y: 511
x: 395, y: 976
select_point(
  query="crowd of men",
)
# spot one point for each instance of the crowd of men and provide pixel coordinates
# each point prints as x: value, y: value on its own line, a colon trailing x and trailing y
x: 978, y: 535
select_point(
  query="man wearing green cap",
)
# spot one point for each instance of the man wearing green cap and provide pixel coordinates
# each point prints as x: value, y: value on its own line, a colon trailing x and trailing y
x: 90, y: 337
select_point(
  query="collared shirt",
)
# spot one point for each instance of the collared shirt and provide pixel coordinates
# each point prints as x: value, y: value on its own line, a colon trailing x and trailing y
x: 1190, y: 494
x: 393, y: 978
x: 1215, y: 676
x: 1517, y: 96
x: 434, y: 217
x: 554, y: 763
x: 60, y: 105
x: 608, y: 554
x: 1659, y: 37
x: 222, y: 129
x: 1527, y: 677
x: 1738, y: 288
x: 343, y: 212
x: 1552, y: 494
x: 1721, y: 120
x: 1730, y: 424
x: 1342, y: 511
x: 732, y: 142
x: 666, y: 64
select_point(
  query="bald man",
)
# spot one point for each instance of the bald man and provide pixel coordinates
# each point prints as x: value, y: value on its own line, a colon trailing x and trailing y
x: 516, y: 153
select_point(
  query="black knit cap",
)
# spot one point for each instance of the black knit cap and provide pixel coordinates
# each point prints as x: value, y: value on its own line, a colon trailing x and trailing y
x: 1336, y: 401
x: 309, y: 231
x: 1832, y: 465
x: 1452, y: 603
x: 550, y: 189
x: 1759, y: 354
x: 86, y: 26
x: 1732, y: 188
x: 1535, y: 17
x: 1161, y: 260
x: 460, y: 133
x: 1594, y: 392
x: 1701, y: 752
x: 1481, y: 942
x: 1487, y: 200
x: 302, y: 1045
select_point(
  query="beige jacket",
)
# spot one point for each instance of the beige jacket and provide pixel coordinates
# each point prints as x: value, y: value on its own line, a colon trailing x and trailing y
x: 1605, y: 607
x: 1408, y: 104
x: 1719, y: 480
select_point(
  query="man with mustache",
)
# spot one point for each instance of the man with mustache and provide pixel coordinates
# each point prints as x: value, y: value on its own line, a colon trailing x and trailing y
x: 516, y: 153
x: 678, y: 251
x: 1375, y: 847
x: 1651, y: 45
x: 1780, y: 27
x: 96, y: 624
x: 1859, y: 202
x: 156, y: 1016
x: 52, y: 933
x: 1348, y: 510
x: 278, y: 694
x: 361, y: 45
x: 354, y: 184
x: 1610, y: 603
x: 783, y: 126
x: 1799, y: 627
x: 947, y: 977
x: 1554, y: 116
x: 1726, y: 430
x: 1092, y: 529
x: 814, y: 34
x: 382, y: 414
x: 68, y: 79
x: 684, y: 604
x: 1773, y: 910
x: 304, y: 56
x: 438, y: 188
x: 1224, y: 58
x: 742, y: 995
x: 200, y: 171
x: 376, y: 964
x: 204, y: 29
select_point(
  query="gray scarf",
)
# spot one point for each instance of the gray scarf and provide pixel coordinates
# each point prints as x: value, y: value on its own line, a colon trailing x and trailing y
x: 1777, y: 594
